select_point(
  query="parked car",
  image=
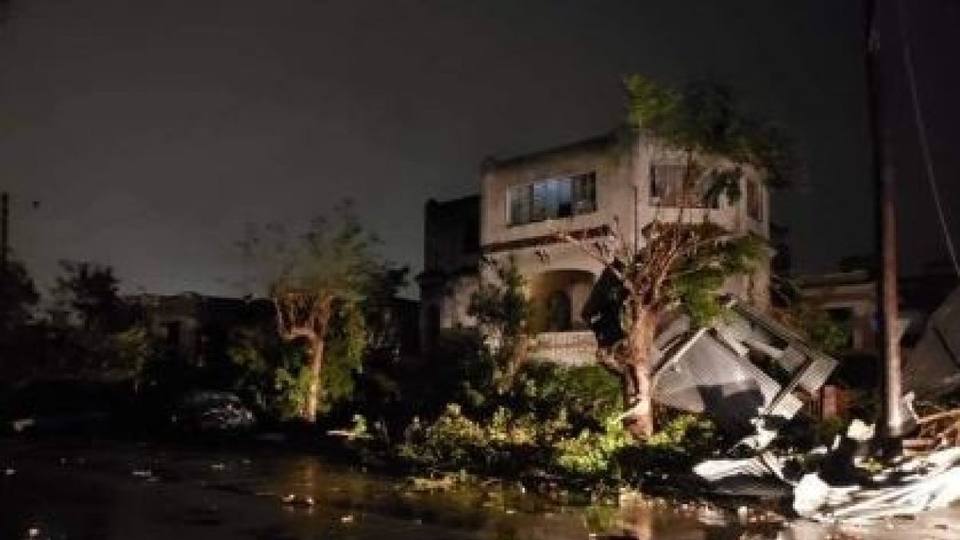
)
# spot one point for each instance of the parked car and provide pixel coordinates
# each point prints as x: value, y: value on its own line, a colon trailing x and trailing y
x: 212, y: 411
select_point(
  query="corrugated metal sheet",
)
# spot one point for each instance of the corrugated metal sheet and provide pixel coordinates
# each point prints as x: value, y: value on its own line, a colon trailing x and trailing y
x: 712, y: 379
x: 710, y: 372
x: 816, y: 375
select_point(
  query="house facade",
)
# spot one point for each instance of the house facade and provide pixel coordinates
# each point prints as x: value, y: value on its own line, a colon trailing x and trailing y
x: 585, y: 189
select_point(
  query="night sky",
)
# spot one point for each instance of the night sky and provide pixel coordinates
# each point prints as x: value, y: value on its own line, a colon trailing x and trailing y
x: 151, y: 132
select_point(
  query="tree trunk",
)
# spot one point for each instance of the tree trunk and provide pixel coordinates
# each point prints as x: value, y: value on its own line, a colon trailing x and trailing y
x: 313, y: 392
x: 637, y: 384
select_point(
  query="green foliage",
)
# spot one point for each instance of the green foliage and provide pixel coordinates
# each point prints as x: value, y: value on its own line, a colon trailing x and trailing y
x: 586, y: 395
x: 504, y: 311
x: 564, y: 420
x: 697, y: 278
x: 317, y: 280
x: 270, y: 374
x: 705, y: 118
x: 345, y: 348
x: 592, y: 453
x: 550, y: 416
x: 682, y: 441
x: 333, y: 258
x: 825, y: 333
x: 131, y: 350
x: 503, y: 307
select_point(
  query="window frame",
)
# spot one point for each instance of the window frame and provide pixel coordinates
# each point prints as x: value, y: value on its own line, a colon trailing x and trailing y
x: 657, y: 200
x: 532, y: 216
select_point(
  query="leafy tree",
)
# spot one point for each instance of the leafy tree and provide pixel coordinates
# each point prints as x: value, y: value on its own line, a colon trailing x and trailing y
x: 90, y: 293
x: 97, y: 332
x: 503, y: 311
x: 316, y: 280
x: 682, y: 261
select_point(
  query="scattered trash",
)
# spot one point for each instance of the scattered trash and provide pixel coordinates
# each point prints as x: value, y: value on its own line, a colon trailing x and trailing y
x: 218, y: 466
x: 142, y: 473
x: 33, y: 532
x: 913, y: 486
x: 348, y: 518
x: 9, y: 471
x: 759, y: 476
x: 937, y: 431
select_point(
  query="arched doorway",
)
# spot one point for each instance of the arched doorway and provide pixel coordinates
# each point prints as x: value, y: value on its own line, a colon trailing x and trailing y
x: 558, y: 312
x: 557, y: 297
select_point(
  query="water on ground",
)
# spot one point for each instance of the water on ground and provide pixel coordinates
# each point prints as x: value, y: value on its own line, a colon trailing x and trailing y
x: 111, y: 490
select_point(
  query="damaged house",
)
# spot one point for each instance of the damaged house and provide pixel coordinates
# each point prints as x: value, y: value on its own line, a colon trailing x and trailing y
x: 585, y: 188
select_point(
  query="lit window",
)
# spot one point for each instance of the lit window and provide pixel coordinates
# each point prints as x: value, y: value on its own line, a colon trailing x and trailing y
x: 554, y: 198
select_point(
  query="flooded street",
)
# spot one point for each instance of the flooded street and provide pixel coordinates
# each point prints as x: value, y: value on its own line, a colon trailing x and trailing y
x: 126, y: 490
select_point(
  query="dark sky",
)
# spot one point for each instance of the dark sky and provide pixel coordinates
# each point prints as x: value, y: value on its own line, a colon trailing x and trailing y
x: 151, y: 132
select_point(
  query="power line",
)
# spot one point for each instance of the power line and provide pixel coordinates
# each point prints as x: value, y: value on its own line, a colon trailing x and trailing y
x: 922, y: 136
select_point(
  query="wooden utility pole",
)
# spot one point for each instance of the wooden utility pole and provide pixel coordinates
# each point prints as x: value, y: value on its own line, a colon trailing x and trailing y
x: 892, y: 420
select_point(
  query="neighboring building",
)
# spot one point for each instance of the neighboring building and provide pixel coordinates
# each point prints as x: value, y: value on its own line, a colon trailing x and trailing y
x: 850, y: 298
x: 583, y: 188
x: 196, y: 326
x: 451, y: 264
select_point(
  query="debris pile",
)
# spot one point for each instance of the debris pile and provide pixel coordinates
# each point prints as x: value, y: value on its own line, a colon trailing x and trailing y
x: 937, y: 431
x: 745, y: 371
x: 915, y: 485
x: 839, y: 484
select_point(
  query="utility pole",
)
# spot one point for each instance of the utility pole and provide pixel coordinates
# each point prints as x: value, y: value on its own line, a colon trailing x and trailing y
x: 892, y: 419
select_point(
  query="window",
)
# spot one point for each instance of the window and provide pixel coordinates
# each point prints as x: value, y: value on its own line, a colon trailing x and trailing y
x: 754, y: 202
x: 554, y: 198
x: 678, y: 185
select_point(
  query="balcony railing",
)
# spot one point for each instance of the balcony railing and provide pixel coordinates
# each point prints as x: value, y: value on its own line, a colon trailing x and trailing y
x: 568, y: 348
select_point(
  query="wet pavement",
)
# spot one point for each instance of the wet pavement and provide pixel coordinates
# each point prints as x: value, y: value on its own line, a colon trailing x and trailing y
x: 67, y: 490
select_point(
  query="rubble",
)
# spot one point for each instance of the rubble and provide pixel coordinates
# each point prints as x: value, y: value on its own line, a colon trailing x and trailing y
x: 937, y: 431
x: 839, y: 491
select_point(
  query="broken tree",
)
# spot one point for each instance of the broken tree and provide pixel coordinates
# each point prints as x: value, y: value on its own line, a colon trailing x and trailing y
x: 325, y: 271
x: 681, y: 260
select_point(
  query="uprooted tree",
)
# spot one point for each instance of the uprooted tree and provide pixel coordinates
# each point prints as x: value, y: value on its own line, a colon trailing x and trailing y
x: 313, y: 279
x: 682, y: 259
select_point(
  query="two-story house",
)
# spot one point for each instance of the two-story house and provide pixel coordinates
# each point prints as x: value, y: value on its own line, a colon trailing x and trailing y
x: 583, y: 188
